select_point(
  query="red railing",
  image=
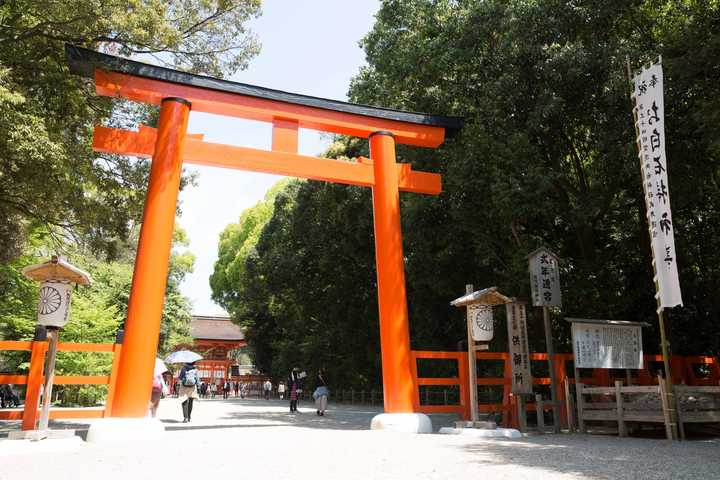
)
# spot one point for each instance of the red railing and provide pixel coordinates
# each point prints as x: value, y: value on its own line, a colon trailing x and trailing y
x: 35, y: 379
x: 682, y: 369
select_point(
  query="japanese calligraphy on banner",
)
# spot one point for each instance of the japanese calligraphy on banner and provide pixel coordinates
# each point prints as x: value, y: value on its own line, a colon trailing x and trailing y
x: 650, y: 127
x: 607, y: 346
x: 481, y: 320
x: 544, y: 278
x: 519, y: 352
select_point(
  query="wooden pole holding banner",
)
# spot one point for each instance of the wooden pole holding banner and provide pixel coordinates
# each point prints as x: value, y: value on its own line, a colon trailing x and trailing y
x: 660, y: 311
x: 472, y: 368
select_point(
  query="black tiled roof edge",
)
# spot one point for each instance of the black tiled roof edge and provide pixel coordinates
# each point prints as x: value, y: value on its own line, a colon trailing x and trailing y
x: 83, y: 62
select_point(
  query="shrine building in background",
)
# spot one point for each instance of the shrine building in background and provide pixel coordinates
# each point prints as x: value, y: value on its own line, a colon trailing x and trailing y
x: 223, y: 348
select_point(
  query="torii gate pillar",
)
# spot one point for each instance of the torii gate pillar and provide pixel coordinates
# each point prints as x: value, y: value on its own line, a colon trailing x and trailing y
x: 398, y: 384
x: 147, y: 296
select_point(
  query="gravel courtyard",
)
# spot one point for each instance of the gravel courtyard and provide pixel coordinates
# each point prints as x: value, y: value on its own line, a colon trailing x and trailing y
x: 259, y: 439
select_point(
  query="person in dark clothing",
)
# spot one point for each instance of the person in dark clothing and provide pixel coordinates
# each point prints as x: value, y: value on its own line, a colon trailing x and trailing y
x: 226, y: 389
x: 188, y: 379
x: 295, y: 386
x: 8, y: 396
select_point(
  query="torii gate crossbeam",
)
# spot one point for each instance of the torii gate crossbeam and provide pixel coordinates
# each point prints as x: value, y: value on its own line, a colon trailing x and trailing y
x: 169, y: 146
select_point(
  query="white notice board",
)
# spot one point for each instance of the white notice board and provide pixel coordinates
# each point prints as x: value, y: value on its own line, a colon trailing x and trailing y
x: 607, y: 346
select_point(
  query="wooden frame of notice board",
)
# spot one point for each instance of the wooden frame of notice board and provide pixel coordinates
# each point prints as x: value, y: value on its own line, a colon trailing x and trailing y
x: 606, y: 344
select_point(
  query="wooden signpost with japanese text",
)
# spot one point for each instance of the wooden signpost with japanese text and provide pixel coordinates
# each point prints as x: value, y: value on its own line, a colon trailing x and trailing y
x: 545, y: 292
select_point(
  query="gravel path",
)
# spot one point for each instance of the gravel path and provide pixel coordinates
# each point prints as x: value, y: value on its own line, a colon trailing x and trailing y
x: 258, y: 439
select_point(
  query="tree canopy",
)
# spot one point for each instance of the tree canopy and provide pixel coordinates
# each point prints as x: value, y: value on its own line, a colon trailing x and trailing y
x: 56, y: 195
x: 48, y: 174
x: 547, y: 157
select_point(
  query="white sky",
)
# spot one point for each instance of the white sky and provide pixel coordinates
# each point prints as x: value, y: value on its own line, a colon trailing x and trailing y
x: 309, y: 47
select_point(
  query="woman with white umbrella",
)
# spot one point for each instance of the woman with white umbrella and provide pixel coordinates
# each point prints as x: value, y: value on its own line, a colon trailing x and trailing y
x: 189, y: 379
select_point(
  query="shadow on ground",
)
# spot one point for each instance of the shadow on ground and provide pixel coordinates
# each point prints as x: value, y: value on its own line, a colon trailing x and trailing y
x: 604, y: 457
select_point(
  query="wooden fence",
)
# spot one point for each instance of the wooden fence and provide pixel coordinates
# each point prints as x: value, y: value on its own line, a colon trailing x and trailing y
x: 36, y: 377
x: 689, y: 370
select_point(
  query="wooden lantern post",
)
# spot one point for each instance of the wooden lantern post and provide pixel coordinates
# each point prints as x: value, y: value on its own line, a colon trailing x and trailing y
x: 57, y: 277
x: 479, y: 331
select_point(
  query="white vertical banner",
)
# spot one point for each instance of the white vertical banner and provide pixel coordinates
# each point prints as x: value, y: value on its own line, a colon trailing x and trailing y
x: 650, y: 127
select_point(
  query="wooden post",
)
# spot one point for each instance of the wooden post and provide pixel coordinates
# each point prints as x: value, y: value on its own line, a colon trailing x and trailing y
x: 117, y: 351
x: 34, y: 379
x: 670, y: 400
x: 472, y: 364
x: 551, y: 368
x: 53, y: 334
x: 622, y: 431
x: 579, y: 398
x: 665, y: 407
x: 540, y: 411
x: 522, y: 415
x: 569, y: 406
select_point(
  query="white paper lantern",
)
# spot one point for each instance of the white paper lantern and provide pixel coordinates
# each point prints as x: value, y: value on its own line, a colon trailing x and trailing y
x: 54, y: 304
x: 481, y: 319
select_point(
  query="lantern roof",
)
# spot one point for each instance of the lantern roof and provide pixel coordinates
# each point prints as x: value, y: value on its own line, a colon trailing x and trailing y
x: 57, y: 268
x: 486, y: 296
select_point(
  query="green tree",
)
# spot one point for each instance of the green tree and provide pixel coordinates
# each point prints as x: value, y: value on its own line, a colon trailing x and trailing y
x: 547, y: 157
x: 48, y: 174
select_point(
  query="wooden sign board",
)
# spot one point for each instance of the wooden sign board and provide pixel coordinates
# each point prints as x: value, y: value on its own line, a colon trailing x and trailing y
x: 544, y: 269
x: 607, y: 345
x: 522, y: 380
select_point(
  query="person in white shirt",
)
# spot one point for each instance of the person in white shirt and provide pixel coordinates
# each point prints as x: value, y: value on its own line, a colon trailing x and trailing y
x: 267, y: 386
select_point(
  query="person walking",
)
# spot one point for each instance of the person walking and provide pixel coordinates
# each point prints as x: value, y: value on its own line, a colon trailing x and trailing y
x: 226, y: 389
x: 213, y: 389
x: 188, y: 390
x: 267, y: 387
x: 281, y: 390
x: 158, y: 389
x: 294, y: 384
x: 237, y: 388
x: 321, y: 393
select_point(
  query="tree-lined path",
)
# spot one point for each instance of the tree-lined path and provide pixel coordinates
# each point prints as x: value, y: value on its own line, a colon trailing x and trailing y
x: 259, y: 439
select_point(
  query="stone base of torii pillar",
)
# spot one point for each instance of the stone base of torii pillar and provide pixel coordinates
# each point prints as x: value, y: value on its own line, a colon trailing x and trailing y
x: 402, y: 422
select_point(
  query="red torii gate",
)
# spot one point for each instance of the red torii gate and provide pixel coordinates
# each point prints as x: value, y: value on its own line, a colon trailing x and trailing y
x: 169, y: 146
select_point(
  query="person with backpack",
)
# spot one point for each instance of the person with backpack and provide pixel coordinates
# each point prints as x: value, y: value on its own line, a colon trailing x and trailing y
x: 189, y: 379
